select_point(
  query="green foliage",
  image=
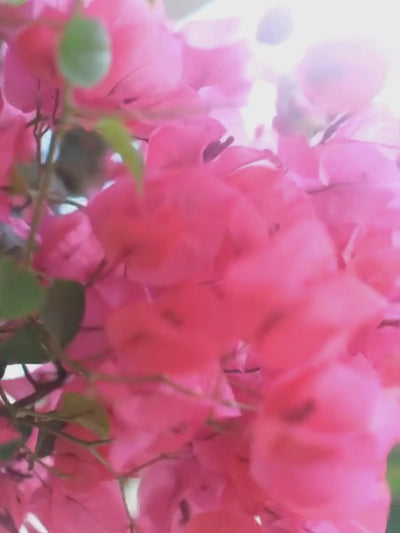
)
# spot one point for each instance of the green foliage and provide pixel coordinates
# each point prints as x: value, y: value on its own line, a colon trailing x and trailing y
x: 394, y: 519
x: 63, y: 310
x: 20, y: 291
x: 24, y: 346
x: 13, y: 2
x: 393, y: 472
x: 119, y: 139
x: 84, y: 54
x: 8, y: 449
x: 393, y: 477
x: 87, y: 412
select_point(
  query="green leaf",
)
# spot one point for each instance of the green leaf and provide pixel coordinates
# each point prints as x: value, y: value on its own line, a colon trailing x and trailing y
x: 84, y: 53
x: 119, y: 139
x: 63, y: 310
x: 24, y: 346
x: 13, y: 2
x: 393, y: 472
x: 20, y: 291
x: 393, y: 525
x: 87, y: 412
x: 8, y: 449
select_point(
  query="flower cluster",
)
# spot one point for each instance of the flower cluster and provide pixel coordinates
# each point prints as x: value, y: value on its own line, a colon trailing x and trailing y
x: 219, y: 321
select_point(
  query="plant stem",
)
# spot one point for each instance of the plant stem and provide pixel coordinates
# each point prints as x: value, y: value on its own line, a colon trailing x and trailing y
x: 45, y: 179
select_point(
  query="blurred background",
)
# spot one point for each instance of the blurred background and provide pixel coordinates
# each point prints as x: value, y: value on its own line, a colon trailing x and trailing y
x: 312, y: 21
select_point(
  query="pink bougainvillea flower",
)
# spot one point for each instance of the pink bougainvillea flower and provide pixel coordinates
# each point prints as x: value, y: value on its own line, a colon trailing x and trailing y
x: 68, y: 247
x: 317, y: 448
x: 184, y: 330
x: 355, y: 204
x: 219, y: 68
x: 326, y: 318
x: 13, y: 18
x: 376, y: 261
x: 252, y: 283
x: 37, y: 49
x: 172, y: 233
x: 381, y: 347
x: 223, y: 520
x: 349, y: 162
x: 176, y: 145
x: 99, y: 510
x: 16, y: 140
x: 372, y: 517
x: 141, y: 46
x: 7, y: 432
x: 240, y: 334
x: 169, y: 483
x: 82, y: 471
x: 15, y: 500
x: 297, y: 156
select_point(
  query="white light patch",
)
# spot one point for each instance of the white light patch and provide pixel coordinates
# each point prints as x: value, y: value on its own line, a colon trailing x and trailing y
x: 315, y: 21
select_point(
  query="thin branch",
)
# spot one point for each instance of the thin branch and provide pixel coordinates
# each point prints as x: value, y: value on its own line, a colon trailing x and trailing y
x: 137, y: 469
x: 45, y: 178
x: 29, y: 377
x: 43, y: 390
x: 96, y: 273
x: 239, y: 371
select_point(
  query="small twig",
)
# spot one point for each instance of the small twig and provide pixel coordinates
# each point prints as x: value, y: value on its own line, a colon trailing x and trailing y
x: 200, y: 396
x: 43, y: 390
x: 95, y: 274
x: 45, y: 180
x: 160, y: 378
x: 29, y: 377
x: 50, y: 469
x: 137, y: 469
x: 239, y: 371
x: 44, y: 186
x: 88, y: 444
x: 394, y: 323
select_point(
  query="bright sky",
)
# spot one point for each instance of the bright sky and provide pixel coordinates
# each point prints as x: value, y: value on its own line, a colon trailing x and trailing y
x: 317, y: 20
x: 314, y: 21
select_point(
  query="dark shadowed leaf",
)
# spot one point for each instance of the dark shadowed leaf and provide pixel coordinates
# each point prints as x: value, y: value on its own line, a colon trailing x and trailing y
x: 394, y: 519
x: 47, y: 438
x: 63, y: 310
x: 393, y: 472
x: 24, y: 346
x: 20, y: 291
x: 119, y: 139
x: 86, y: 412
x: 11, y: 244
x: 84, y: 54
x: 8, y: 449
x: 80, y: 163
